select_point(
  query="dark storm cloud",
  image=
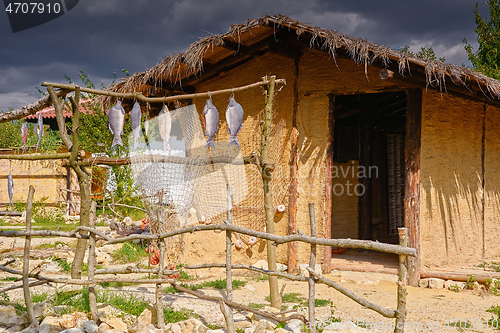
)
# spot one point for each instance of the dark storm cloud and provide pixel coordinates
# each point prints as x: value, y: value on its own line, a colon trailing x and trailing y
x: 99, y: 37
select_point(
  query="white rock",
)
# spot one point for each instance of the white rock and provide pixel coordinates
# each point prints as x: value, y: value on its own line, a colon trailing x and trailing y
x: 294, y: 325
x: 8, y: 316
x: 50, y: 325
x: 104, y: 328
x: 51, y: 266
x: 242, y: 324
x: 139, y: 327
x: 305, y: 272
x: 435, y: 283
x: 453, y: 285
x: 72, y: 330
x: 114, y: 322
x: 281, y: 267
x: 89, y: 326
x: 423, y: 283
x: 261, y: 264
x: 127, y: 219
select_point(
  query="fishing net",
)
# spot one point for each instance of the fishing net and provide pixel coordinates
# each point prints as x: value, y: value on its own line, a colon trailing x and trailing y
x: 189, y: 184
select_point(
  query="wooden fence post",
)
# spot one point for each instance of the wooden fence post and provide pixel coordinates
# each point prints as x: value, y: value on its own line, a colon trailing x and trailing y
x: 226, y: 310
x: 92, y: 262
x: 159, y: 291
x: 312, y: 264
x: 402, y: 283
x: 26, y: 261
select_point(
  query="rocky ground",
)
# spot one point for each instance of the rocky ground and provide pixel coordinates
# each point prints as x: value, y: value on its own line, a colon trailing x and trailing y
x: 428, y: 309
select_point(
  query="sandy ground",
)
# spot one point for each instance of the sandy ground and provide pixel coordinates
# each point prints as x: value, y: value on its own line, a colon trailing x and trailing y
x: 428, y: 309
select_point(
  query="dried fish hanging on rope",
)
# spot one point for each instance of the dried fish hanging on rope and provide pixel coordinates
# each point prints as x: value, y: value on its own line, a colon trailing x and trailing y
x: 168, y: 187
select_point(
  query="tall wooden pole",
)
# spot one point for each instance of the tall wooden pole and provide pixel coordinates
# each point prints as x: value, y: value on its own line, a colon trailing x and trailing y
x: 294, y: 179
x: 26, y: 261
x: 312, y: 278
x: 327, y: 255
x: 267, y: 169
x: 412, y: 179
x: 402, y: 283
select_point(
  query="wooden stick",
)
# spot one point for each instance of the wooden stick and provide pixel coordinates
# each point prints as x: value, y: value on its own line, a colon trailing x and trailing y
x: 367, y: 304
x: 251, y: 268
x: 102, y: 160
x: 139, y: 96
x: 34, y: 157
x: 128, y: 206
x: 312, y: 264
x: 30, y: 109
x: 402, y: 281
x: 228, y: 316
x: 32, y: 284
x: 43, y: 233
x: 280, y: 318
x: 26, y: 260
x: 87, y: 282
x: 481, y: 276
x: 159, y: 291
x: 348, y: 243
x: 10, y: 213
x: 229, y: 276
x: 131, y: 270
x: 92, y: 262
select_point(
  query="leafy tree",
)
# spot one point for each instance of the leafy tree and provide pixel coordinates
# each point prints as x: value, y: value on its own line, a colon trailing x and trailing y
x: 95, y: 137
x: 487, y: 57
x: 424, y: 53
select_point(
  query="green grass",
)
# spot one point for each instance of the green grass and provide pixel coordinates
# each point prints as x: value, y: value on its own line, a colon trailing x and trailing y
x: 256, y: 305
x: 174, y: 316
x: 129, y: 252
x: 494, y: 322
x: 261, y: 277
x: 50, y: 245
x: 289, y: 298
x: 63, y: 264
x: 318, y: 302
x: 217, y: 284
x: 113, y: 284
x: 183, y: 275
x: 37, y: 298
x: 9, y: 278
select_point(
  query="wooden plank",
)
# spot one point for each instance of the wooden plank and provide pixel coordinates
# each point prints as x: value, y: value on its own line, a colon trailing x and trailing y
x: 294, y: 193
x: 412, y: 179
x: 327, y: 251
x: 366, y: 151
x: 33, y: 176
x: 481, y: 276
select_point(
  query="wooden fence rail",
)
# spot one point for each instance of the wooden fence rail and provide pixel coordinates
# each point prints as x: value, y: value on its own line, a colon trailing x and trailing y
x: 226, y: 303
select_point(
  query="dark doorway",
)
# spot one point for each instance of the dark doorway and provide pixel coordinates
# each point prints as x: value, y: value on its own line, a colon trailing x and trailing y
x: 368, y: 160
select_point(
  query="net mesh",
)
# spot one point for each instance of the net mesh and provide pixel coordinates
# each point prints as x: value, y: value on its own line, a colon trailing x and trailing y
x: 186, y: 187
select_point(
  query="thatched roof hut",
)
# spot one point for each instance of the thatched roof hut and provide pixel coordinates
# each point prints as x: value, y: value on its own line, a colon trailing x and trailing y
x: 425, y: 128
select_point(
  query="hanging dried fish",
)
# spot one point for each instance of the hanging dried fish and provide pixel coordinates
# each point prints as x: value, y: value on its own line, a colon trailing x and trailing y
x: 165, y: 125
x: 234, y: 119
x: 135, y: 120
x: 24, y: 136
x: 116, y: 118
x: 10, y: 188
x: 211, y: 123
x: 39, y: 129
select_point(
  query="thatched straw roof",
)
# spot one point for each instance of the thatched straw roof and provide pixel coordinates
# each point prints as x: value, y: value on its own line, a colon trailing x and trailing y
x: 204, y: 57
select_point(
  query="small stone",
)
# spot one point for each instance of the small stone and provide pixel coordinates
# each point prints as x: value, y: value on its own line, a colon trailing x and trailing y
x: 303, y: 269
x: 72, y: 320
x: 145, y: 317
x: 271, y: 309
x: 261, y: 264
x: 454, y: 285
x: 51, y: 266
x: 242, y: 324
x: 50, y: 325
x: 103, y: 328
x: 198, y: 326
x: 4, y: 249
x: 252, y: 317
x: 435, y: 283
x: 109, y: 310
x: 127, y: 219
x: 261, y: 327
x: 8, y: 316
x: 216, y: 331
x: 139, y: 327
x: 423, y: 283
x: 89, y: 326
x: 72, y: 330
x: 114, y: 323
x: 114, y: 330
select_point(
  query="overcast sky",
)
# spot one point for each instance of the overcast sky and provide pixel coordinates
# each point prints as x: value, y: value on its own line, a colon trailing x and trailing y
x: 101, y: 36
